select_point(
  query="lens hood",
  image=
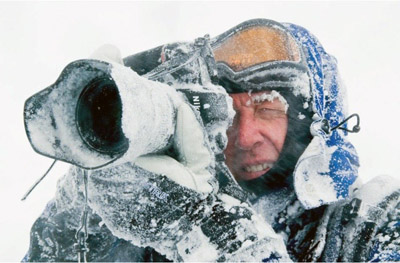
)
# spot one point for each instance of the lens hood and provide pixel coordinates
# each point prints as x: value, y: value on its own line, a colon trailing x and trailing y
x: 77, y: 119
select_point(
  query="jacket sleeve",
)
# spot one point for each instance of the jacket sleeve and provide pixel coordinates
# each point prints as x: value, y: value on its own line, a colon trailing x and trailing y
x: 385, y: 245
x: 366, y: 227
x: 140, y: 216
x: 149, y: 209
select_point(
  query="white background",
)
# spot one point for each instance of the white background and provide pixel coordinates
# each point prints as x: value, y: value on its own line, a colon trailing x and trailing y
x: 38, y: 39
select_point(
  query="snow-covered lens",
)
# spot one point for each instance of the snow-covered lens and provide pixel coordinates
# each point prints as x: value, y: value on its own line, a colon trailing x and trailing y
x: 256, y: 45
x: 98, y: 117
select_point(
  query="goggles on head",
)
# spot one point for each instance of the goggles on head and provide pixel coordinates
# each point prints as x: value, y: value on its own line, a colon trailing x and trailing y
x: 259, y: 54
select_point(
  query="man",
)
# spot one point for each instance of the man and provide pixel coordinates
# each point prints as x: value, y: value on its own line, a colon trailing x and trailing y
x: 291, y: 187
x: 286, y: 147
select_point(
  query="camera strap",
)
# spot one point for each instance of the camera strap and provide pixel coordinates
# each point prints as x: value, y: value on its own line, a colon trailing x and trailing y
x: 38, y: 181
x: 81, y: 246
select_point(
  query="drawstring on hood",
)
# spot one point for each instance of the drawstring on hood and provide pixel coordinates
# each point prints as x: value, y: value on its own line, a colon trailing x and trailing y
x: 329, y: 165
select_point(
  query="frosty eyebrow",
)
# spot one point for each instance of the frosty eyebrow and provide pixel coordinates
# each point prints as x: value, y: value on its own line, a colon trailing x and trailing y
x: 257, y: 99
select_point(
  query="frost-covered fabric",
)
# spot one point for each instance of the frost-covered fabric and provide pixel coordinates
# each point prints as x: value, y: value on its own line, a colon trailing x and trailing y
x: 50, y: 116
x: 130, y: 206
x: 364, y: 227
x: 53, y: 234
x: 178, y: 222
x: 329, y: 165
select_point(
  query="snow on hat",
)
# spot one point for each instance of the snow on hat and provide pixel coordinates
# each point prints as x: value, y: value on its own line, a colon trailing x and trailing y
x: 258, y: 55
x: 329, y: 165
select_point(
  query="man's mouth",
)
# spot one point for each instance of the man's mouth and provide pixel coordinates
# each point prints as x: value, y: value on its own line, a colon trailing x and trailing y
x: 257, y: 167
x: 244, y: 170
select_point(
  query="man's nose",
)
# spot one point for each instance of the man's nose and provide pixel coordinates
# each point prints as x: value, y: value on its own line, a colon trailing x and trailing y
x: 248, y: 133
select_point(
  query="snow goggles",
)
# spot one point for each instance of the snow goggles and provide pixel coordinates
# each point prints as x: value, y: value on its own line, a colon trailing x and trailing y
x: 259, y: 54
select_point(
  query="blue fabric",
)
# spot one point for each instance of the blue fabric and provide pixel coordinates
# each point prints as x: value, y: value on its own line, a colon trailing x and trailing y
x: 328, y: 104
x: 387, y: 245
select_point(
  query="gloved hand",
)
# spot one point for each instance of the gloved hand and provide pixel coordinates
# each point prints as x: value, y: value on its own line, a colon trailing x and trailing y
x: 171, y: 200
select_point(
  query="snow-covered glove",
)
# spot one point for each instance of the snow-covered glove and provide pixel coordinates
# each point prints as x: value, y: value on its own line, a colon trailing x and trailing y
x: 170, y: 200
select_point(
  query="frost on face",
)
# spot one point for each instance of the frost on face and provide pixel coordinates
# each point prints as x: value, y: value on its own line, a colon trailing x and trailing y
x: 270, y: 96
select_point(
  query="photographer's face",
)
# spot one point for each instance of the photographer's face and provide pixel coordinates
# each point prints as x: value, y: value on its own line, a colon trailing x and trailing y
x: 256, y: 136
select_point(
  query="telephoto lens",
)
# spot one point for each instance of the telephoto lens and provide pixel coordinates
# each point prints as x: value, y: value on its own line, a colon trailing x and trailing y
x: 97, y: 112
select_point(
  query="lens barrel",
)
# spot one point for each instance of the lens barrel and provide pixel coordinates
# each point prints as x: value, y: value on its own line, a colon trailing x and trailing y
x: 98, y: 117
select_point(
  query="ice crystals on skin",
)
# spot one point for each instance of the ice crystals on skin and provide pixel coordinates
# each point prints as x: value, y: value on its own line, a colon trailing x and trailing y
x: 266, y: 96
x: 257, y: 134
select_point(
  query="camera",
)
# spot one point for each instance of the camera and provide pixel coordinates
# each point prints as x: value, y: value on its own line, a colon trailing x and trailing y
x: 98, y: 112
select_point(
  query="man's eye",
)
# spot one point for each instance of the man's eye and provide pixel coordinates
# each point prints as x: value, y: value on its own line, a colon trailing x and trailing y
x: 270, y: 113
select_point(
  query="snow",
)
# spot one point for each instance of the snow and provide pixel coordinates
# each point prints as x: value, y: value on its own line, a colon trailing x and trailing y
x: 229, y: 201
x: 34, y: 51
x: 300, y: 116
x: 148, y: 111
x: 270, y: 96
x: 269, y: 205
x: 197, y: 246
x: 52, y: 127
x: 298, y: 81
x: 311, y: 178
x: 380, y: 186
